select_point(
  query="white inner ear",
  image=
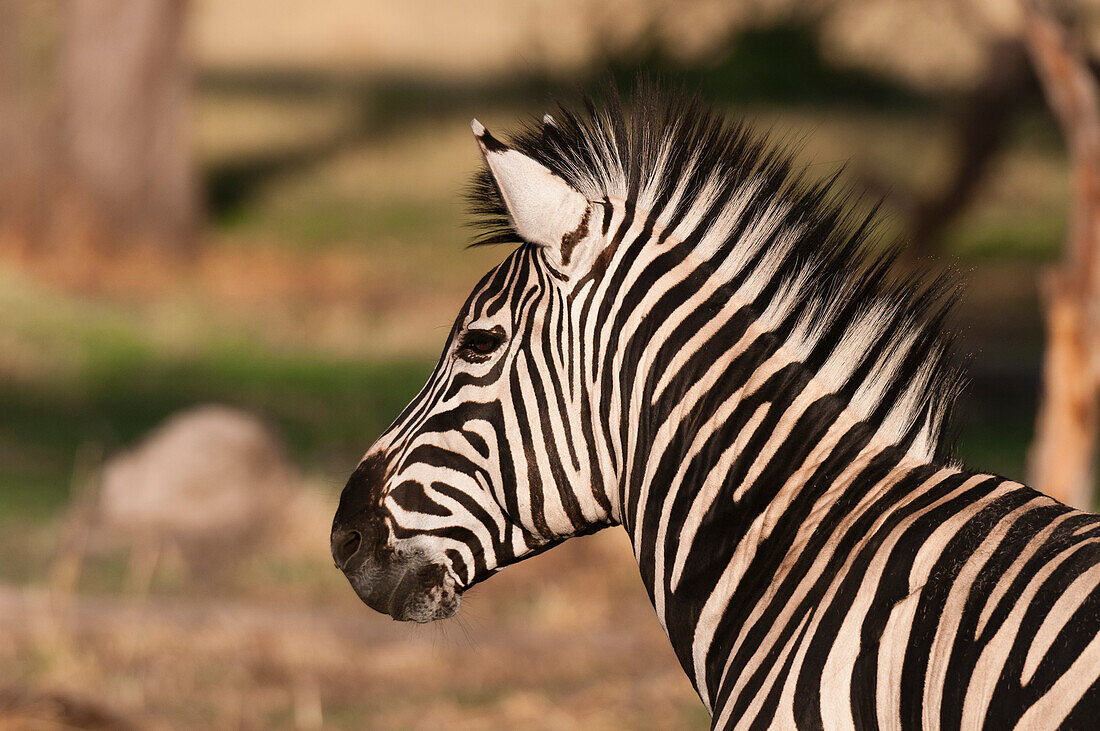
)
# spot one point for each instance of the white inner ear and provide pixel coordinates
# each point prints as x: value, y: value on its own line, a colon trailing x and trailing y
x: 543, y: 207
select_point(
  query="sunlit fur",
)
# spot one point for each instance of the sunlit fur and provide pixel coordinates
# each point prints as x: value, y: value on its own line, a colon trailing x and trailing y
x: 726, y: 367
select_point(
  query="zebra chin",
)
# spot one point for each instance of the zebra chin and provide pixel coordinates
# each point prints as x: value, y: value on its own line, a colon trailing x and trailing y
x: 411, y: 590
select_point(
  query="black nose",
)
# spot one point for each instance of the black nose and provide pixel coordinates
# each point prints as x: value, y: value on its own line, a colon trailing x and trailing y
x: 345, y: 545
x: 357, y: 530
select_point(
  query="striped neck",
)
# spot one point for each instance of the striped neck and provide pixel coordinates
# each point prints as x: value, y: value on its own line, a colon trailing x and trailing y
x: 715, y: 425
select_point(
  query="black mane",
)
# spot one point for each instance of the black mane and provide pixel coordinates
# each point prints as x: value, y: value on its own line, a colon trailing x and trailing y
x: 841, y: 269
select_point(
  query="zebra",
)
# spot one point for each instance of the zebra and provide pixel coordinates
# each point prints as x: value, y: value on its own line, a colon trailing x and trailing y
x: 692, y: 340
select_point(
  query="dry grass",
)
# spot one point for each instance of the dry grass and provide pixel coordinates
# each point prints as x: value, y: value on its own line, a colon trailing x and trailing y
x: 567, y: 640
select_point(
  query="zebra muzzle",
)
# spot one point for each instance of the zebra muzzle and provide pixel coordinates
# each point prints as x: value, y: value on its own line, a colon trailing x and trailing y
x: 404, y: 583
x: 407, y: 587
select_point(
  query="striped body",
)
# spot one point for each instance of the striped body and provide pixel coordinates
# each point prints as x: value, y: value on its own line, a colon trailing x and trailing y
x: 690, y: 345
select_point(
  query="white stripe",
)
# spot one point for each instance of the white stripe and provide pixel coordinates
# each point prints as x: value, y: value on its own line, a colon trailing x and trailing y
x: 987, y: 670
x: 946, y: 638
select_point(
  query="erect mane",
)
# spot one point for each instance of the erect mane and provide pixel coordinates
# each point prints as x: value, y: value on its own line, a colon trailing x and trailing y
x: 838, y: 295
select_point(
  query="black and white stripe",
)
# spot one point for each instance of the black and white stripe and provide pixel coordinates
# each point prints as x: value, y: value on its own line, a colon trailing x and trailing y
x: 693, y: 342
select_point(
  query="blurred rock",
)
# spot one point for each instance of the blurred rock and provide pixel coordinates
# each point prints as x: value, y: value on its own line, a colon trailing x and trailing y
x: 27, y: 708
x: 210, y: 476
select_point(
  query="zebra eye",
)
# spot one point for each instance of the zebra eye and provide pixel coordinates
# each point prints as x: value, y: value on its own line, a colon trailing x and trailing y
x: 477, y: 345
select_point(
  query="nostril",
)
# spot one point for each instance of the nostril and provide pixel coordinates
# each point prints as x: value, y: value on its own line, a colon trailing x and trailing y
x: 344, y: 548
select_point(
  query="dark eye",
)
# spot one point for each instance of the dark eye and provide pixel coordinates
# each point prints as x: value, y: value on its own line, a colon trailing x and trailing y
x: 477, y: 345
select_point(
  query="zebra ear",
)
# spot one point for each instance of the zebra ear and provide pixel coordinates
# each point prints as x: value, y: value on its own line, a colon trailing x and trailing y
x: 544, y: 209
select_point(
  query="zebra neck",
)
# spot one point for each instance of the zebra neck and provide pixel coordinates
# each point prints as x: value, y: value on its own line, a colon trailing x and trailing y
x: 727, y: 418
x: 730, y: 478
x: 717, y: 573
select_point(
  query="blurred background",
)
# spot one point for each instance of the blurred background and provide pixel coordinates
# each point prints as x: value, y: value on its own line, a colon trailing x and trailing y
x: 232, y: 243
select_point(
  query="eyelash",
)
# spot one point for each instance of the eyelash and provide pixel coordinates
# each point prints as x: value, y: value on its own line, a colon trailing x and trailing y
x: 478, y: 345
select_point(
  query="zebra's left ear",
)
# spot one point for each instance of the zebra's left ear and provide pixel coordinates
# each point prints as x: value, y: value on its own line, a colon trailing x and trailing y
x: 543, y: 208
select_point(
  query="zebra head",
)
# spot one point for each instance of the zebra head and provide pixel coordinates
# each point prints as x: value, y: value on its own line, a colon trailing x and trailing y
x: 482, y: 468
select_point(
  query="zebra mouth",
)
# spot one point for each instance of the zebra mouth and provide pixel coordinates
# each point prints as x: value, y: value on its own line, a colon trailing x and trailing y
x: 409, y: 592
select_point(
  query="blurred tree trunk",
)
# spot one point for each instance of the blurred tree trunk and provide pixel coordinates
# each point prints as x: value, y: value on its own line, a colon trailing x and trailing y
x: 95, y: 126
x: 981, y: 125
x: 28, y: 143
x: 126, y: 82
x: 1062, y: 461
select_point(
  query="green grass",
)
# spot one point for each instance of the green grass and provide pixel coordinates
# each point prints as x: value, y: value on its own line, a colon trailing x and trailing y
x: 329, y: 410
x: 327, y: 221
x: 1021, y: 239
x: 997, y: 443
